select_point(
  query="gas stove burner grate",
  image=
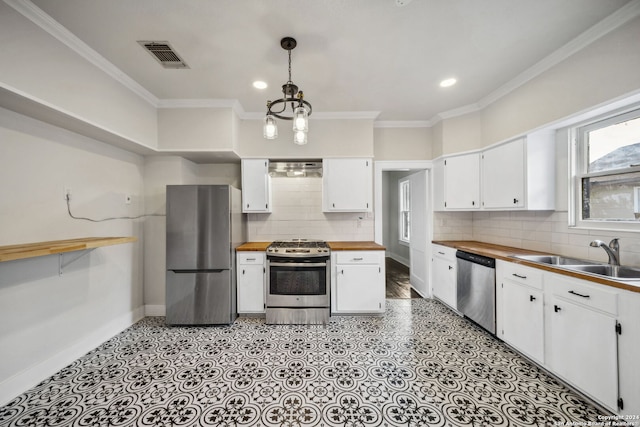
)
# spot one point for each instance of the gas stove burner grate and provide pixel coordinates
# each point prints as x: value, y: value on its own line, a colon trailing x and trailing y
x: 299, y: 243
x: 299, y: 248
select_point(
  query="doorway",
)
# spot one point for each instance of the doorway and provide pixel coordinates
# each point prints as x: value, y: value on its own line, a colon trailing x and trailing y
x: 408, y: 255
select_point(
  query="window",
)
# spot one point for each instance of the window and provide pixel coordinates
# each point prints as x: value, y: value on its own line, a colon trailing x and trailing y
x: 405, y: 210
x: 607, y: 173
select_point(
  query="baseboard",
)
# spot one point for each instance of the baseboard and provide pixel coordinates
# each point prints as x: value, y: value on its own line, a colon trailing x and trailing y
x: 28, y: 378
x: 155, y: 310
x: 402, y: 260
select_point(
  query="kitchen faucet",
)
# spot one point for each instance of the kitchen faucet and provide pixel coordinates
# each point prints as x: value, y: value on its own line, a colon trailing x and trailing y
x: 613, y: 250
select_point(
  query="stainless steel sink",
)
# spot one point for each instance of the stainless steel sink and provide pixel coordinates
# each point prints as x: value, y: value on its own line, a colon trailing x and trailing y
x: 554, y: 260
x: 612, y: 271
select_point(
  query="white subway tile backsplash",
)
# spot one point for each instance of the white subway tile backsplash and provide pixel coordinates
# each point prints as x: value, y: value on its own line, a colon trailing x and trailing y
x: 544, y: 231
x: 297, y: 213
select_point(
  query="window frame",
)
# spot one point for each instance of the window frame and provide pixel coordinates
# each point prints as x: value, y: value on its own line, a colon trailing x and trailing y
x: 578, y: 158
x: 404, y: 206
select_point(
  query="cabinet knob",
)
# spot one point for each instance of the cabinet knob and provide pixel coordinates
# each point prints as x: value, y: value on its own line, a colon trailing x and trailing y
x: 473, y: 203
x: 450, y: 268
x: 556, y: 308
x: 515, y: 201
x: 532, y: 298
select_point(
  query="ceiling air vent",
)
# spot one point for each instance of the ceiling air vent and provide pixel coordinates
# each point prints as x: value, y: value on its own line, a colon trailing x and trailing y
x: 164, y: 54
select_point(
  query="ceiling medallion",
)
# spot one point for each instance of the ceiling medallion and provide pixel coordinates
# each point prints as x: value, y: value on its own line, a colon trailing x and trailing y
x: 300, y: 109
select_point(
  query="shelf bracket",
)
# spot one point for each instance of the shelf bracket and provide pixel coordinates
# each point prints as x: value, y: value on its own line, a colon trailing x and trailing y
x: 62, y: 264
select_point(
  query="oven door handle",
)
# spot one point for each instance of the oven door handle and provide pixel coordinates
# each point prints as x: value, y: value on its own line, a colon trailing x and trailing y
x: 297, y: 264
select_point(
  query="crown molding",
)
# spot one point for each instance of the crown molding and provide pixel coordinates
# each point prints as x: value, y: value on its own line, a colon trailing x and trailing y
x: 324, y: 115
x: 402, y: 124
x: 610, y: 23
x: 51, y: 26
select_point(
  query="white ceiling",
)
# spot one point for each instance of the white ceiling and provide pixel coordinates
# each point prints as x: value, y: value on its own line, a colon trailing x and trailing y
x: 352, y: 55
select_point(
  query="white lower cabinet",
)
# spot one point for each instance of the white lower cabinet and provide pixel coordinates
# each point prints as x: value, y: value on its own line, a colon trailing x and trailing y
x: 251, y: 282
x: 357, y: 282
x: 443, y: 275
x: 569, y: 326
x: 583, y: 337
x: 520, y: 305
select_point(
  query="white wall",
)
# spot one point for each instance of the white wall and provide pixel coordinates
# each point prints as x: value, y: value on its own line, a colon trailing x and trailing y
x: 402, y: 143
x: 604, y: 70
x: 297, y: 213
x: 327, y: 138
x: 202, y: 129
x: 43, y: 68
x: 47, y: 320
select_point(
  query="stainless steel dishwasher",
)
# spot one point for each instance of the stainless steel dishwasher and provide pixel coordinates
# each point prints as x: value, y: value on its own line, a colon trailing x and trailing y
x: 476, y: 288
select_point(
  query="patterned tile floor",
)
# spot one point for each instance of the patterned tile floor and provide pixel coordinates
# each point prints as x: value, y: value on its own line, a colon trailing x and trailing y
x: 420, y: 365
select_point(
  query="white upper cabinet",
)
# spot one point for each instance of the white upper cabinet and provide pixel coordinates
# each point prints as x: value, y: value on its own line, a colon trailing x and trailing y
x: 520, y: 174
x: 461, y: 183
x: 516, y: 175
x: 347, y: 185
x: 256, y: 186
x: 503, y: 176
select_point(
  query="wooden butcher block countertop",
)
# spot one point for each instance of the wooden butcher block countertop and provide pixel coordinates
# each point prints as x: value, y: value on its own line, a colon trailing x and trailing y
x: 507, y: 253
x: 355, y: 246
x: 335, y: 246
x: 31, y: 250
x: 253, y: 247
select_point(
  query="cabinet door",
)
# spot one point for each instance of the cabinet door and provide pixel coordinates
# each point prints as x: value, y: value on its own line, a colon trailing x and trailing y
x: 523, y: 314
x: 360, y: 289
x: 584, y: 349
x: 347, y: 185
x: 256, y: 186
x: 250, y: 289
x: 462, y: 186
x: 503, y: 176
x: 444, y: 281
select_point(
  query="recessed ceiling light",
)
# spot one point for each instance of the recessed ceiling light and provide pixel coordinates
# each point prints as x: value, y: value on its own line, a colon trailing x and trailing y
x: 448, y: 82
x: 259, y: 84
x: 402, y: 2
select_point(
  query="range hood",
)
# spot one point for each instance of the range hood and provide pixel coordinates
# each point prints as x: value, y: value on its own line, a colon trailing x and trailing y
x: 295, y: 168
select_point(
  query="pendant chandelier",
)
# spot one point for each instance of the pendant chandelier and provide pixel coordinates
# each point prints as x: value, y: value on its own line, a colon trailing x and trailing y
x: 300, y: 109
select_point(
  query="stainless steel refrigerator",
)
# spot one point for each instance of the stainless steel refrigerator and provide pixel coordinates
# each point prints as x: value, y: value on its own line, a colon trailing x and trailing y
x: 204, y: 226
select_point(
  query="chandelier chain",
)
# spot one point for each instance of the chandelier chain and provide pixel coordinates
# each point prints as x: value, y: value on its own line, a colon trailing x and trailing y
x: 290, y: 67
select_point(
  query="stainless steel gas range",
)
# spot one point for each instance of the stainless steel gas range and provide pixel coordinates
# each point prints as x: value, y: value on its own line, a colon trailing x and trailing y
x: 298, y: 282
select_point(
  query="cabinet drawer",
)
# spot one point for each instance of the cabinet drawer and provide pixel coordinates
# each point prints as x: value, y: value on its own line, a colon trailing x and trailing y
x: 520, y: 274
x: 582, y: 292
x: 358, y: 257
x: 250, y: 258
x: 444, y: 252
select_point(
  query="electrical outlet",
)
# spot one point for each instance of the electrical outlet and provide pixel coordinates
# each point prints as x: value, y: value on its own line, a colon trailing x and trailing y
x: 127, y: 199
x: 66, y: 193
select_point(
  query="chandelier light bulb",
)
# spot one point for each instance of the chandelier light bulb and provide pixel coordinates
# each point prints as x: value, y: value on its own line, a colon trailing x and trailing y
x: 270, y: 129
x: 300, y: 137
x: 300, y: 119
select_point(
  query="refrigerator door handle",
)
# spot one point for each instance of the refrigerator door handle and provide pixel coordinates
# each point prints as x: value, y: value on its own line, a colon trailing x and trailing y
x: 217, y: 270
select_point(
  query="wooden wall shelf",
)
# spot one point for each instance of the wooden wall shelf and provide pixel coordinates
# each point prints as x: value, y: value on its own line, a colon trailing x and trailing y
x: 31, y: 250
